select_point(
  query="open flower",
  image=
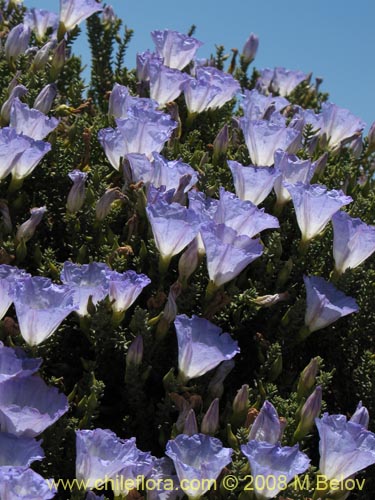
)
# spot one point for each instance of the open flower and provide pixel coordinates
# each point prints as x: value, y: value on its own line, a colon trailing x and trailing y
x: 8, y: 276
x: 87, y: 280
x: 275, y: 461
x: 253, y: 183
x: 353, y: 241
x: 31, y: 122
x: 19, y: 451
x: 263, y: 138
x: 124, y: 288
x: 18, y: 483
x: 314, y: 206
x: 325, y: 304
x: 201, y: 346
x: 28, y: 406
x: 40, y: 20
x: 41, y: 306
x: 101, y: 455
x: 345, y: 447
x: 227, y: 252
x: 165, y: 83
x: 73, y: 12
x: 197, y: 459
x: 176, y: 49
x: 14, y: 363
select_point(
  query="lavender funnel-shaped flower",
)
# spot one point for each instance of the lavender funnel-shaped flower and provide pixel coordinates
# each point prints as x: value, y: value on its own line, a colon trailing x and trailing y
x: 266, y: 426
x: 73, y: 12
x: 8, y: 276
x: 40, y: 20
x: 325, y: 304
x: 31, y: 122
x: 201, y: 346
x: 87, y: 280
x: 353, y: 241
x: 253, y: 183
x: 176, y: 49
x: 197, y: 460
x: 263, y: 138
x: 41, y: 306
x: 18, y: 483
x: 15, y: 364
x: 314, y: 206
x: 227, y: 252
x: 28, y: 406
x: 256, y: 105
x: 19, y: 451
x: 276, y: 461
x: 124, y: 288
x: 165, y: 83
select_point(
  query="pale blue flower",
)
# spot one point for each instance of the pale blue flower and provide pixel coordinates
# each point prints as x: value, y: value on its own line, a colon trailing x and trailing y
x: 314, y: 206
x: 87, y: 280
x: 18, y: 483
x: 197, y: 459
x: 263, y: 138
x: 28, y: 406
x: 325, y: 304
x: 228, y: 253
x: 19, y: 451
x: 176, y: 49
x: 353, y: 241
x: 31, y: 122
x: 253, y: 183
x: 17, y: 41
x: 345, y: 447
x: 273, y: 461
x: 8, y: 276
x: 257, y: 106
x: 41, y: 306
x: 14, y: 363
x: 73, y: 12
x: 124, y: 288
x: 40, y: 20
x: 201, y: 346
x: 165, y: 83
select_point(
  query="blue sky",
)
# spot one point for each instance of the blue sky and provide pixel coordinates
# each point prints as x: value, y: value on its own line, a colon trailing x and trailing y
x: 334, y: 39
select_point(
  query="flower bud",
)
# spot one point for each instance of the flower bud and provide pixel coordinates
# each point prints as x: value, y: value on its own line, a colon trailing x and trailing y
x: 103, y: 206
x: 309, y: 412
x: 210, y: 422
x: 266, y: 426
x: 221, y: 142
x: 250, y: 49
x: 170, y: 310
x: 307, y: 378
x: 371, y: 139
x: 191, y: 426
x: 216, y: 387
x: 240, y: 406
x: 108, y: 15
x: 44, y: 99
x: 17, y: 91
x: 361, y: 416
x: 135, y: 352
x: 42, y: 56
x: 26, y: 230
x: 17, y: 41
x: 188, y: 262
x: 357, y: 146
x: 5, y: 215
x: 58, y: 59
x: 76, y: 196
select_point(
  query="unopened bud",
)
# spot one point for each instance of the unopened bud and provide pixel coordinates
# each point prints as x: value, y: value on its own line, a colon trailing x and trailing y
x: 320, y: 164
x: 240, y: 406
x: 270, y: 300
x: 42, y: 56
x: 17, y: 92
x: 190, y: 426
x: 221, y: 142
x: 27, y: 229
x: 250, y: 49
x: 108, y: 16
x: 210, y: 422
x: 371, y: 139
x: 5, y: 215
x: 307, y: 378
x: 58, y: 59
x: 103, y: 206
x: 357, y: 147
x: 309, y: 412
x: 76, y: 196
x: 361, y: 416
x: 188, y: 262
x: 135, y: 352
x: 216, y: 386
x: 17, y: 41
x: 44, y: 99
